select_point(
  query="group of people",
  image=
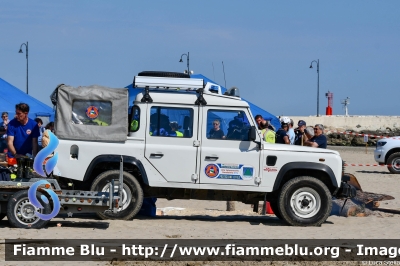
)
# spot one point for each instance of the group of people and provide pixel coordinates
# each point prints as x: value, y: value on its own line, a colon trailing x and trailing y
x: 287, y: 134
x: 22, y: 135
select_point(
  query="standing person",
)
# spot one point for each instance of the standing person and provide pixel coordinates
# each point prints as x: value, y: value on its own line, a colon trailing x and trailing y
x: 41, y: 131
x: 259, y: 119
x: 301, y: 133
x: 216, y: 132
x: 3, y: 131
x: 282, y: 136
x: 268, y: 134
x: 291, y: 132
x: 22, y: 134
x: 319, y: 140
x: 50, y: 126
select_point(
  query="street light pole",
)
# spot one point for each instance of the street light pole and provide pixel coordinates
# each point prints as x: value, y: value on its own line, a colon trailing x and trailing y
x: 26, y: 51
x: 317, y: 62
x: 187, y: 61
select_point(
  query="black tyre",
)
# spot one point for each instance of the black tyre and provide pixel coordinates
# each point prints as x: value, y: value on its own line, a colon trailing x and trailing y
x: 394, y: 163
x: 164, y: 74
x: 275, y: 209
x: 132, y: 198
x: 304, y: 201
x: 21, y: 212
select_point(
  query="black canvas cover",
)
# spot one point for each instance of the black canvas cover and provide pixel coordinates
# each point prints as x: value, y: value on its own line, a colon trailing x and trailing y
x: 92, y: 113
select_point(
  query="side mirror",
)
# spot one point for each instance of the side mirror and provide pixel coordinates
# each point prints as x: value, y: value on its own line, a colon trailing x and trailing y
x: 252, y: 133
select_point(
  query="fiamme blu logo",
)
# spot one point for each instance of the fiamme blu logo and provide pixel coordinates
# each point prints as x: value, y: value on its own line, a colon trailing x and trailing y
x: 44, y: 163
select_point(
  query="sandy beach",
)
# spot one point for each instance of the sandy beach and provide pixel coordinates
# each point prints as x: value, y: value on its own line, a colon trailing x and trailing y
x: 209, y: 220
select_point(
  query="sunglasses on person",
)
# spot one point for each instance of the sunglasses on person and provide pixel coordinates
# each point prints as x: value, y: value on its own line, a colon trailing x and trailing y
x: 315, y: 128
x: 4, y: 116
x: 215, y: 123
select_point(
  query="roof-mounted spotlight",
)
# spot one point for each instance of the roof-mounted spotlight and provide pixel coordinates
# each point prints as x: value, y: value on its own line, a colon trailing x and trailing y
x: 234, y: 92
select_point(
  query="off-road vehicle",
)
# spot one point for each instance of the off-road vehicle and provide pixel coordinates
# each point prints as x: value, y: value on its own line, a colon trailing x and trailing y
x: 165, y: 137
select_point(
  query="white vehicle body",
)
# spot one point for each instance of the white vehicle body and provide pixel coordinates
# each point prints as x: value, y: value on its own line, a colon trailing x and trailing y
x: 183, y: 162
x: 388, y: 152
x: 237, y: 166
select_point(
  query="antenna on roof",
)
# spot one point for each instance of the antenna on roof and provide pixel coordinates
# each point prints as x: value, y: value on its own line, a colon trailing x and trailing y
x: 223, y: 69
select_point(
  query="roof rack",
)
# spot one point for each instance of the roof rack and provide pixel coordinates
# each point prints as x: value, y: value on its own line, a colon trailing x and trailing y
x: 170, y: 84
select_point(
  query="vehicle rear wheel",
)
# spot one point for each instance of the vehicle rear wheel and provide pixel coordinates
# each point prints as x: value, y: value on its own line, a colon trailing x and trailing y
x: 132, y: 194
x: 21, y: 212
x: 394, y: 163
x: 304, y: 201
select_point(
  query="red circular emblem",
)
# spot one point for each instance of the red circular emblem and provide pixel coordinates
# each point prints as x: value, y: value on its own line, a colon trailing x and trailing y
x: 92, y: 112
x: 211, y: 170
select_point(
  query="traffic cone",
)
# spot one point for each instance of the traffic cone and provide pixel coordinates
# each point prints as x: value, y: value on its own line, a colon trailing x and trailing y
x: 268, y: 209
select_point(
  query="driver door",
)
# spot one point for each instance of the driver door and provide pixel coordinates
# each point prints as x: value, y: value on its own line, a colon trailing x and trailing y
x: 231, y: 159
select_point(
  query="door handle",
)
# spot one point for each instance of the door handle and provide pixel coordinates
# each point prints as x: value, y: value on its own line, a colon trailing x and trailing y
x: 212, y: 158
x: 156, y: 155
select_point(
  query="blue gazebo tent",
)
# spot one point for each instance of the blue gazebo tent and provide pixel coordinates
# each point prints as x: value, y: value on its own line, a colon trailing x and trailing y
x: 10, y: 96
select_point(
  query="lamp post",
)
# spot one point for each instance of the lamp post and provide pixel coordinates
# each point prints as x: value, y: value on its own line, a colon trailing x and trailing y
x: 317, y: 62
x: 187, y: 61
x: 26, y: 51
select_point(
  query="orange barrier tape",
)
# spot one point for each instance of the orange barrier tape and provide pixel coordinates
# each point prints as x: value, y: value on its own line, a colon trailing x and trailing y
x: 359, y: 164
x: 361, y: 135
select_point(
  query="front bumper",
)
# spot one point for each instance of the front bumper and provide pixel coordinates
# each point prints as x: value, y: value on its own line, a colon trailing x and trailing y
x: 379, y: 155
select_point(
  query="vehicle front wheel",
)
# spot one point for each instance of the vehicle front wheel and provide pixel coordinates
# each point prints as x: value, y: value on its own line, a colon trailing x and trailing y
x: 394, y: 163
x: 304, y: 201
x: 21, y: 212
x: 132, y: 194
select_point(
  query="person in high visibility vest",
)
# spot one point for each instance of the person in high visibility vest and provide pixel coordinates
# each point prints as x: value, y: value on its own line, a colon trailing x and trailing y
x: 268, y: 134
x: 174, y: 129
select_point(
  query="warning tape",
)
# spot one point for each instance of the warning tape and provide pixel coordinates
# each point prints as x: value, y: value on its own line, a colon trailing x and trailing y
x: 359, y: 164
x: 361, y: 135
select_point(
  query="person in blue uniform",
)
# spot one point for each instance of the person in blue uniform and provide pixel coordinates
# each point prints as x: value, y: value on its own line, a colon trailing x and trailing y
x: 22, y: 133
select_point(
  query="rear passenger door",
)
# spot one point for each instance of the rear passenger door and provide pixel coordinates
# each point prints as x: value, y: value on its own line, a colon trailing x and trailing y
x: 171, y: 152
x: 231, y: 159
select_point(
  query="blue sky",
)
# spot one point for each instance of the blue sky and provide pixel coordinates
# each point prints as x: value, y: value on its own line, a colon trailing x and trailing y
x: 266, y: 47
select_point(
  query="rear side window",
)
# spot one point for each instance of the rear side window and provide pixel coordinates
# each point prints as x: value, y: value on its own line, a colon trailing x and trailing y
x: 96, y: 113
x: 171, y: 122
x: 134, y: 123
x: 227, y: 125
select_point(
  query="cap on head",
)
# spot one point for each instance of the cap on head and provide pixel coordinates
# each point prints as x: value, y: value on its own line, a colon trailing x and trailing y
x: 301, y: 123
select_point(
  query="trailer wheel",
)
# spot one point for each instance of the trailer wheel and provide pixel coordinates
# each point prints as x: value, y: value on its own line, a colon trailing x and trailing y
x: 394, y: 163
x: 132, y: 194
x: 304, y: 201
x: 21, y: 212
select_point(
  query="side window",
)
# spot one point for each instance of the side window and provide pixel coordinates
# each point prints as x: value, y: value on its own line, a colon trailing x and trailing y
x: 134, y: 123
x: 171, y: 122
x: 229, y: 125
x: 97, y: 113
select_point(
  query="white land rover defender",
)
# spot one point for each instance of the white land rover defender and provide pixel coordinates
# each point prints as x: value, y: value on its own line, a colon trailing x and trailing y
x: 183, y: 139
